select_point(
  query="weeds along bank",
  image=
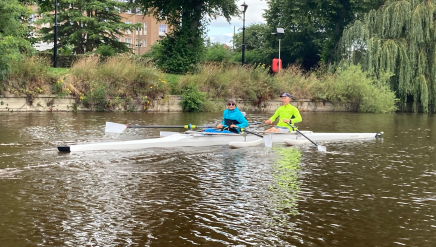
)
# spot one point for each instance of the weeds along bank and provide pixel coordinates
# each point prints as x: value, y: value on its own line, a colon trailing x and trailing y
x: 122, y: 83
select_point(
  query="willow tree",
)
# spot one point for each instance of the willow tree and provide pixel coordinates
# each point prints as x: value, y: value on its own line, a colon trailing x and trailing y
x: 398, y: 38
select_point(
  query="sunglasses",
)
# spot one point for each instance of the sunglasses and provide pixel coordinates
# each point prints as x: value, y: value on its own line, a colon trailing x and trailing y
x: 229, y: 104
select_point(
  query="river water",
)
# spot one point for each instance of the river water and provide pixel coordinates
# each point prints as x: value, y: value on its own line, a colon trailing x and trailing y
x: 365, y: 193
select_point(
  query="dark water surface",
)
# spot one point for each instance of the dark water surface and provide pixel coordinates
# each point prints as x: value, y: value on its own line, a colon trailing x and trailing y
x: 366, y: 193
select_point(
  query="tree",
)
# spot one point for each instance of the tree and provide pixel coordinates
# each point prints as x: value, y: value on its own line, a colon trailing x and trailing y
x: 398, y: 38
x: 313, y: 27
x: 13, y: 33
x: 258, y: 45
x: 183, y: 48
x: 85, y: 24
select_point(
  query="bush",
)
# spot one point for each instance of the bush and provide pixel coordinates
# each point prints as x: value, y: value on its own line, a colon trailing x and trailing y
x: 217, y: 53
x: 193, y: 100
x: 180, y: 52
x: 105, y: 51
x: 350, y: 85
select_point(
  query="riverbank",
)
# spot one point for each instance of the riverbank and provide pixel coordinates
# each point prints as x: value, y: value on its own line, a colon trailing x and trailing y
x: 127, y: 84
x: 170, y: 103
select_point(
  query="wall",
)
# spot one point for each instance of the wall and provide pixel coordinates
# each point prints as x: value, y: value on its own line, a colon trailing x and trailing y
x: 50, y: 103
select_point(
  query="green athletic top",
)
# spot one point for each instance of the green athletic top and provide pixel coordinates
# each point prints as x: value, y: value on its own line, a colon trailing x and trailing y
x: 287, y: 112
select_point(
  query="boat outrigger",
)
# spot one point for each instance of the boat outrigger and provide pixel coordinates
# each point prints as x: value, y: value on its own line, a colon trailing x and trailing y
x: 196, y: 139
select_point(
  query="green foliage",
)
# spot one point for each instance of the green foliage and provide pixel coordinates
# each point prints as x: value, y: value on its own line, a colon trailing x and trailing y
x: 63, y: 60
x: 28, y: 77
x: 192, y: 99
x: 361, y: 91
x: 173, y: 83
x: 217, y: 53
x: 398, y: 38
x: 96, y: 96
x: 124, y: 82
x: 13, y: 29
x: 153, y: 52
x: 182, y: 49
x: 105, y: 51
x: 313, y: 27
x: 85, y: 25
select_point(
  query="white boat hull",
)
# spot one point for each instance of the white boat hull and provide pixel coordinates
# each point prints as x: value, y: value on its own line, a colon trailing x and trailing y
x: 200, y: 139
x: 301, y: 140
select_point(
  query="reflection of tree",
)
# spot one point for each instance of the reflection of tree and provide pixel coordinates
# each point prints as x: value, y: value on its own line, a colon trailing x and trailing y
x: 285, y: 185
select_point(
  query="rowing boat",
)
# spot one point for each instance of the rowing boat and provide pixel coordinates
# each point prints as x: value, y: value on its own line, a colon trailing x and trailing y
x: 197, y: 139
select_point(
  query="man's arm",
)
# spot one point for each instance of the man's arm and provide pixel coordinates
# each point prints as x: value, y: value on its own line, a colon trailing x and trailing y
x: 276, y: 114
x: 297, y: 115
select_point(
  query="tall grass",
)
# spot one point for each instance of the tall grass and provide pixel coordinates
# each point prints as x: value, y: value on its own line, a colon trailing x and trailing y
x: 28, y: 77
x: 126, y: 83
x: 116, y: 82
x: 347, y: 86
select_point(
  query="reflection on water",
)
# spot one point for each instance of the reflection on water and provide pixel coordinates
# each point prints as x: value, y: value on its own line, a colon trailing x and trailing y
x: 365, y: 193
x: 284, y: 187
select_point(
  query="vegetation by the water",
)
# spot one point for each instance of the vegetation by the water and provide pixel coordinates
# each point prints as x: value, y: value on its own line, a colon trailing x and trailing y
x: 126, y: 83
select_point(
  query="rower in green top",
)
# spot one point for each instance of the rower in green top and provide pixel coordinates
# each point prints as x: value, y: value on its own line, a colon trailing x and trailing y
x: 288, y: 116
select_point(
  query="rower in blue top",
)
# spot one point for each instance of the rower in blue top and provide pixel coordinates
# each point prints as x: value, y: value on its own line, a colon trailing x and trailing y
x: 233, y: 119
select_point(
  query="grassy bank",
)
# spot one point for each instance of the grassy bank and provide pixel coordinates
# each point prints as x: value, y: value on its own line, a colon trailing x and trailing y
x: 126, y: 82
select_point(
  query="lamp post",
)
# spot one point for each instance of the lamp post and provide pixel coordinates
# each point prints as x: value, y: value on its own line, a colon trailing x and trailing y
x: 244, y: 9
x: 280, y: 32
x: 55, y: 46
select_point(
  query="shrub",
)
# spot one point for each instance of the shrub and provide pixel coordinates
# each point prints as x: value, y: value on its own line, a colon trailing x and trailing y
x: 217, y: 53
x: 105, y: 51
x: 350, y: 85
x: 193, y: 100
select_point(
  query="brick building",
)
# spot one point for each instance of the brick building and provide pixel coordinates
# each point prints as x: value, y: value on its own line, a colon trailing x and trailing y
x: 151, y: 31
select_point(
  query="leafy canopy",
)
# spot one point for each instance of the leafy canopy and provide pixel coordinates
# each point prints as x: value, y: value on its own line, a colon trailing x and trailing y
x: 398, y: 38
x: 13, y: 33
x: 313, y: 27
x: 85, y: 24
x: 183, y: 48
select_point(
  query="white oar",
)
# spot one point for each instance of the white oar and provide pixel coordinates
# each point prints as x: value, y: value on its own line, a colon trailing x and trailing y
x: 320, y: 148
x: 266, y: 138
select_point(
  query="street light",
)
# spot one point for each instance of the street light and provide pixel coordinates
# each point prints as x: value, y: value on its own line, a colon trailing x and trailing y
x: 279, y: 33
x: 55, y: 46
x: 244, y: 6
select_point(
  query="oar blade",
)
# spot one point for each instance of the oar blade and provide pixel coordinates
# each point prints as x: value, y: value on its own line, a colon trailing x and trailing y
x: 268, y: 140
x: 115, y: 127
x: 322, y: 148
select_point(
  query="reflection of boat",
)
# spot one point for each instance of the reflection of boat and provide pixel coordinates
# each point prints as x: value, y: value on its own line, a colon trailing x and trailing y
x: 197, y: 139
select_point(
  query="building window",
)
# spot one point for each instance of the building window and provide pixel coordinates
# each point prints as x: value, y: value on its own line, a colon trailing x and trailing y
x: 145, y: 28
x: 127, y: 30
x: 138, y: 42
x: 128, y: 41
x: 144, y: 41
x: 138, y: 29
x: 162, y: 28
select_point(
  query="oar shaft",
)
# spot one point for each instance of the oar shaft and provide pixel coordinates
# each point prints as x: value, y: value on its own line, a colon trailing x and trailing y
x: 169, y: 126
x: 249, y: 132
x: 306, y: 137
